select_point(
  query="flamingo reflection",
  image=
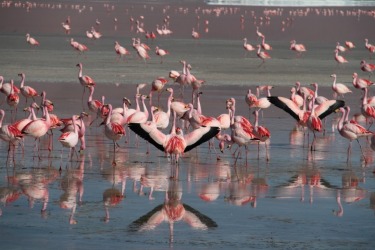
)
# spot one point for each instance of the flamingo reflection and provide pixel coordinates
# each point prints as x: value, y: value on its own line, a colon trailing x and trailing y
x: 34, y: 184
x: 72, y: 184
x: 171, y: 211
x: 8, y: 195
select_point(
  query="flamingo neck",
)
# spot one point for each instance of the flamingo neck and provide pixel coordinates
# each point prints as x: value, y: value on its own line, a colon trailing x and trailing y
x: 91, y: 93
x: 145, y: 110
x: 108, y: 118
x: 1, y: 117
x: 169, y: 103
x: 199, y: 107
x: 22, y: 80
x: 364, y: 101
x: 256, y: 118
x: 341, y: 121
x: 80, y: 71
x: 347, y: 114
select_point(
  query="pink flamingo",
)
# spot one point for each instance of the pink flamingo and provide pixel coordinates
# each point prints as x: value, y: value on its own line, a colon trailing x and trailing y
x: 339, y: 58
x: 113, y: 131
x: 349, y: 45
x: 296, y: 98
x: 84, y: 80
x: 340, y: 48
x: 20, y: 124
x: 32, y: 41
x: 13, y: 98
x: 259, y: 34
x: 351, y: 130
x: 247, y: 46
x: 38, y: 128
x: 70, y: 139
x: 367, y: 67
x: 156, y: 86
x: 94, y: 105
x: 195, y: 34
x: 318, y: 98
x: 9, y: 133
x: 161, y: 52
x: 265, y: 45
x: 367, y: 109
x: 175, y: 143
x: 139, y: 116
x: 369, y: 47
x: 360, y: 83
x: 161, y: 117
x: 309, y: 93
x: 298, y: 47
x: 121, y: 51
x: 81, y: 128
x: 27, y: 91
x: 6, y: 88
x: 46, y: 102
x: 262, y: 55
x: 262, y: 133
x: 339, y: 88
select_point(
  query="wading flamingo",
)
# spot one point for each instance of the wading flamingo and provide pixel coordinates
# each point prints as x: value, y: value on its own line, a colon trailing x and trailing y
x: 339, y: 88
x: 27, y: 91
x: 84, y: 80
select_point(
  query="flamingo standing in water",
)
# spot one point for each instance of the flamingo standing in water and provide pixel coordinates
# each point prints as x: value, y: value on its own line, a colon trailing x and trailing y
x: 84, y: 80
x: 32, y: 41
x: 351, y: 130
x: 262, y: 133
x: 367, y: 67
x: 247, y: 46
x: 339, y: 58
x: 360, y: 83
x: 13, y: 98
x: 70, y: 139
x: 370, y: 47
x: 9, y: 133
x: 339, y: 88
x: 156, y: 86
x: 174, y: 144
x: 27, y: 91
x: 298, y: 47
x: 113, y: 131
x: 121, y: 51
x: 161, y: 52
x: 195, y: 34
x: 265, y: 45
x: 349, y: 45
x: 38, y: 128
x: 262, y: 55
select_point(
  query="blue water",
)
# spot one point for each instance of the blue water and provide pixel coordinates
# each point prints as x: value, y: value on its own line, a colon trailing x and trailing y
x: 296, y: 200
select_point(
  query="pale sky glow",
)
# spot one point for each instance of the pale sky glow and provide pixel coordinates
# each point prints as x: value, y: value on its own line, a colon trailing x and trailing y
x: 292, y: 2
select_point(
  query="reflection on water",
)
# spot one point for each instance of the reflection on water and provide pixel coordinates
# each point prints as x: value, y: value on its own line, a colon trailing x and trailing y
x: 172, y: 211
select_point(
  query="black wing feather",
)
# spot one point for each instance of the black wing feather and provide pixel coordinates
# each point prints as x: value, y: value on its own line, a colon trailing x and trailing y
x: 338, y: 104
x: 278, y: 103
x: 136, y: 128
x: 206, y: 137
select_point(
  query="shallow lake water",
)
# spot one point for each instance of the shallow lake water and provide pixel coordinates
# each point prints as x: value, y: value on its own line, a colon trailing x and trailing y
x: 297, y: 199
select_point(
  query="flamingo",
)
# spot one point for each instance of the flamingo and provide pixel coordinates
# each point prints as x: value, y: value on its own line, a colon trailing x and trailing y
x: 367, y: 109
x: 32, y: 41
x: 46, y: 103
x: 84, y: 80
x: 265, y: 45
x: 339, y: 88
x: 367, y: 67
x: 161, y: 52
x: 297, y: 99
x: 259, y: 34
x: 27, y: 91
x: 95, y: 33
x: 318, y: 98
x: 299, y: 48
x: 339, y: 58
x: 38, y: 128
x: 9, y: 133
x: 6, y: 88
x: 66, y: 27
x: 340, y: 48
x: 195, y: 34
x: 370, y: 47
x: 360, y: 83
x: 13, y: 98
x: 349, y: 45
x: 20, y: 124
x: 175, y: 143
x: 94, y: 105
x: 262, y: 55
x: 139, y: 116
x: 113, y: 131
x: 262, y: 133
x: 301, y: 116
x: 247, y: 46
x: 121, y: 51
x: 351, y: 130
x: 156, y: 86
x: 70, y: 139
x: 309, y: 93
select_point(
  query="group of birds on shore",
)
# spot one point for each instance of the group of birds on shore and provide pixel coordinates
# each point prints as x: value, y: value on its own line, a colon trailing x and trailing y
x: 194, y: 128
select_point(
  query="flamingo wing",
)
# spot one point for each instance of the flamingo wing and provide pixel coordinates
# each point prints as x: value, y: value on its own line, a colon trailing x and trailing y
x: 149, y: 133
x: 199, y: 136
x: 286, y: 104
x: 148, y: 221
x: 196, y: 219
x: 328, y: 107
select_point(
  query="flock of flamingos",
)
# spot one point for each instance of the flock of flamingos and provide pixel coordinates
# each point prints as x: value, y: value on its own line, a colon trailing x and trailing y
x: 161, y: 129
